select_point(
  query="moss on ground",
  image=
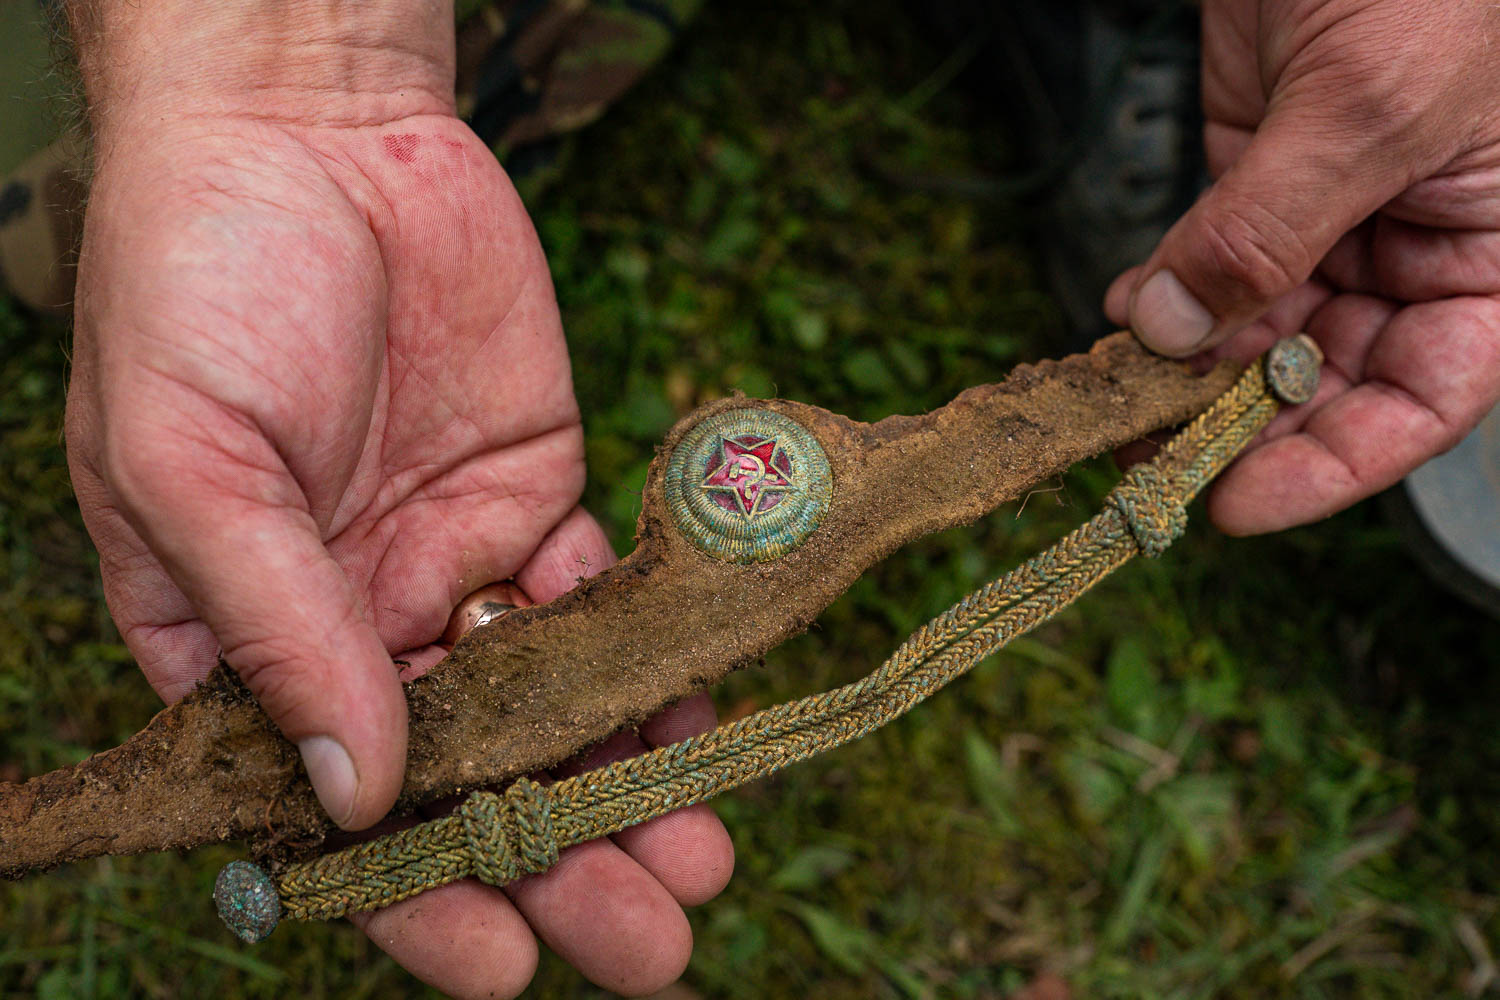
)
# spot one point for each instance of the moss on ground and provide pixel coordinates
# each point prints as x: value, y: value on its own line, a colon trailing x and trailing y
x: 1254, y: 768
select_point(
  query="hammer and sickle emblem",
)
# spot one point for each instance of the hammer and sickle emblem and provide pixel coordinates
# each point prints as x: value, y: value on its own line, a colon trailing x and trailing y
x: 750, y: 466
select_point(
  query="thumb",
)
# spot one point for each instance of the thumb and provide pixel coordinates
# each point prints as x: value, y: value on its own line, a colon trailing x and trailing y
x: 289, y: 623
x: 1260, y: 230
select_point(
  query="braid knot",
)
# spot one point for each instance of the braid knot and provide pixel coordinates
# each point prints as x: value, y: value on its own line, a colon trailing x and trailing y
x: 1154, y: 516
x: 511, y: 835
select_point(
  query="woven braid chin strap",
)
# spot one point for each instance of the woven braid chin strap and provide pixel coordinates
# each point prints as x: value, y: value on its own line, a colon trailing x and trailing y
x: 509, y: 836
x: 501, y: 837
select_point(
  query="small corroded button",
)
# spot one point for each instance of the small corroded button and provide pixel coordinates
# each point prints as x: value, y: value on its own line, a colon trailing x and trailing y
x: 247, y: 901
x: 748, y: 485
x: 1292, y: 368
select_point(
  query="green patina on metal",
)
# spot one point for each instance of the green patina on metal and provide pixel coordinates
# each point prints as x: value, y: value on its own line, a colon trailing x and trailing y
x: 748, y: 485
x: 247, y: 901
x: 1292, y: 369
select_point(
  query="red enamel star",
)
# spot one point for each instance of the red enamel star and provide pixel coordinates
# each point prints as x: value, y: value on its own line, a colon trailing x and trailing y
x: 748, y: 474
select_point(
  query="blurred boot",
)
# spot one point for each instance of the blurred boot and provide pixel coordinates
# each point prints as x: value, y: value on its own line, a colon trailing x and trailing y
x: 1102, y: 96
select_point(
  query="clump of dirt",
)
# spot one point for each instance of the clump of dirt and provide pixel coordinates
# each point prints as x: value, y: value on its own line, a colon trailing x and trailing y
x: 542, y: 683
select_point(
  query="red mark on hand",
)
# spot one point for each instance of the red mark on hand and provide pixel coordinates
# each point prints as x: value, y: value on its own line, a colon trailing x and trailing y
x: 402, y: 147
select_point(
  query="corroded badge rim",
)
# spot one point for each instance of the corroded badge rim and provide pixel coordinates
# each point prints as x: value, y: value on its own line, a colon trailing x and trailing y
x: 1293, y: 367
x: 768, y: 534
x: 247, y: 901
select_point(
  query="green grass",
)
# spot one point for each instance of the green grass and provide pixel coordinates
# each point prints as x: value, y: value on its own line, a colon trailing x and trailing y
x: 1252, y: 768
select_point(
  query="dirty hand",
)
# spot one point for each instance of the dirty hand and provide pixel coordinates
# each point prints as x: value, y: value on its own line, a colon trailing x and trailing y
x: 1356, y: 146
x: 320, y: 393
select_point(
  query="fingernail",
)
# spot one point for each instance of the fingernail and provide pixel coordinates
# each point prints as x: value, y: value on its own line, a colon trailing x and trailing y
x: 332, y: 773
x: 1167, y: 317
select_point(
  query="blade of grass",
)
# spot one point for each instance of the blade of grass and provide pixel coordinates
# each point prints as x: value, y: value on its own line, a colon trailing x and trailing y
x: 207, y: 949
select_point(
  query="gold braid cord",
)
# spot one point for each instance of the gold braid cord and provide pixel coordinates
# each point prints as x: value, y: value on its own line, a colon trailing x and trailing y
x: 501, y: 837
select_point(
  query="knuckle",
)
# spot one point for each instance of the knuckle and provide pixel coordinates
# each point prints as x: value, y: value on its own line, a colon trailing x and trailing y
x: 1373, y: 70
x: 143, y: 463
x: 1256, y: 251
x: 274, y: 671
x: 131, y: 462
x: 1371, y: 95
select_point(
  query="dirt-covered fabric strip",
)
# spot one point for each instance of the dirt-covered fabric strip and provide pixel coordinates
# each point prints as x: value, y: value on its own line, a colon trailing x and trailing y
x: 540, y: 684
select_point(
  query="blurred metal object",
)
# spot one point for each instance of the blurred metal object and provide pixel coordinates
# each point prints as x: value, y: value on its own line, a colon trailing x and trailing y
x: 484, y: 605
x: 1450, y: 511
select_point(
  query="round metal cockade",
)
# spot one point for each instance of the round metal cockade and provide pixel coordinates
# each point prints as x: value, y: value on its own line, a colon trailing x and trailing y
x: 1292, y: 369
x: 748, y: 485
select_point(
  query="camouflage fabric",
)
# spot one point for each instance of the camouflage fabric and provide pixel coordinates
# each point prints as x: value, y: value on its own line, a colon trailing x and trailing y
x: 529, y: 73
x: 531, y: 70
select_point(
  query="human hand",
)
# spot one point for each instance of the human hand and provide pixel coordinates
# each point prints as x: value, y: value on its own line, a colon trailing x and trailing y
x: 320, y: 393
x: 1356, y: 146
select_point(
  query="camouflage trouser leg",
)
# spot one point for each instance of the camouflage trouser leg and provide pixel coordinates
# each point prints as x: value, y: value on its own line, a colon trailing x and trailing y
x: 529, y: 73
